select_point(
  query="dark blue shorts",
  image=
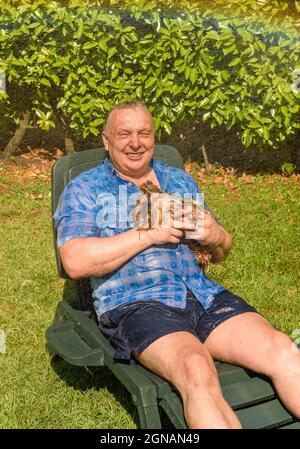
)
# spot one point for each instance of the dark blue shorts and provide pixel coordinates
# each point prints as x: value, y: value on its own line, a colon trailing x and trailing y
x: 132, y: 327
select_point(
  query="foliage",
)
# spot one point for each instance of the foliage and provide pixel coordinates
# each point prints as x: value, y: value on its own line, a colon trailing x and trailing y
x: 72, y: 63
x: 288, y: 169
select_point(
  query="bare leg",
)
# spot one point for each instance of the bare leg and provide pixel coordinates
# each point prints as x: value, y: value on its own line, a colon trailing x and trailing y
x: 184, y: 361
x: 250, y: 341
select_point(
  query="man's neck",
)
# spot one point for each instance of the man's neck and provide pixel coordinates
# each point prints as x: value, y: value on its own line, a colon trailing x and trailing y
x: 138, y: 180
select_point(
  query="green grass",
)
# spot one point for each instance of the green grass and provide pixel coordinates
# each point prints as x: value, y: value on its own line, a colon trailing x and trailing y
x: 263, y: 267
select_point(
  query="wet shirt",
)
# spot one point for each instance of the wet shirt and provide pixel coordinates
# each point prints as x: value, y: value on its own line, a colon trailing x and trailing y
x: 98, y: 203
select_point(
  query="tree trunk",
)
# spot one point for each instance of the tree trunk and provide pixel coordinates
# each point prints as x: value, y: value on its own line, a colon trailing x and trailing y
x: 295, y: 154
x: 16, y: 139
x: 69, y: 143
x: 205, y: 158
x: 204, y: 153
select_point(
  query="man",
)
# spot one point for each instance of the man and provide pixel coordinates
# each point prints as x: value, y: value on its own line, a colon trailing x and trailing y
x: 154, y: 303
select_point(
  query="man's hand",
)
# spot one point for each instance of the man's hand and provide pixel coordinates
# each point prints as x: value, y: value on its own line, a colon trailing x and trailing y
x: 213, y: 237
x: 210, y: 233
x: 161, y: 210
x: 160, y: 236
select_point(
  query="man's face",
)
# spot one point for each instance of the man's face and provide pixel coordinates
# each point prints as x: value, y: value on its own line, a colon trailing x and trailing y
x: 129, y: 139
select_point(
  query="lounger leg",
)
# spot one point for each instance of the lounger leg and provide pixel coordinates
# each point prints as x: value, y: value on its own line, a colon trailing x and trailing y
x: 149, y: 416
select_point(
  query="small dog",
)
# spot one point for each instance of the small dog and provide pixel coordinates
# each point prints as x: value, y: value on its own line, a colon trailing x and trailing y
x: 150, y: 214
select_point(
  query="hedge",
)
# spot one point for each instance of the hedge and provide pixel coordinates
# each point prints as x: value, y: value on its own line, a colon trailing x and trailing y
x: 70, y: 63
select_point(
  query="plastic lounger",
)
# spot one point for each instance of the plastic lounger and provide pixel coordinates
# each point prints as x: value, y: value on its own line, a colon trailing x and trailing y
x: 76, y: 338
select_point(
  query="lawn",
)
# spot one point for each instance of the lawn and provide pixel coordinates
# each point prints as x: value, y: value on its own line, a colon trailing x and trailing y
x: 261, y: 212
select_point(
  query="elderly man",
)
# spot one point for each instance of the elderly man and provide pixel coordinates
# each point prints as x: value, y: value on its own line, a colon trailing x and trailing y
x: 152, y: 300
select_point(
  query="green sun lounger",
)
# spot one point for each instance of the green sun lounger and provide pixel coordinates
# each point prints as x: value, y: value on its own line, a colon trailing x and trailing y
x: 75, y: 337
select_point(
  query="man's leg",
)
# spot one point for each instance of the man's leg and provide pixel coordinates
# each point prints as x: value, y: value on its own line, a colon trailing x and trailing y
x: 250, y: 341
x: 183, y: 360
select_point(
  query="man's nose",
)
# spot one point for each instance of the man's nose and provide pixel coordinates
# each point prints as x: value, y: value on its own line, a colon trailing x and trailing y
x: 135, y: 141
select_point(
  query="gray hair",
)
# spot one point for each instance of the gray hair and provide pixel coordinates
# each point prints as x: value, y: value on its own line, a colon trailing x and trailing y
x: 126, y: 105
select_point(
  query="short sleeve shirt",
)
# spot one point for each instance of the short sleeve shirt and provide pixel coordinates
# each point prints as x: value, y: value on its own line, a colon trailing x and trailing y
x: 93, y: 205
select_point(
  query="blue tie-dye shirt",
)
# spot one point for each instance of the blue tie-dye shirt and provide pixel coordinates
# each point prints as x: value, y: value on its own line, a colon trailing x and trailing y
x: 161, y: 272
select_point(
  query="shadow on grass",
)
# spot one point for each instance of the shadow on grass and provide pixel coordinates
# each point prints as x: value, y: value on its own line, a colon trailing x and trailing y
x: 97, y: 379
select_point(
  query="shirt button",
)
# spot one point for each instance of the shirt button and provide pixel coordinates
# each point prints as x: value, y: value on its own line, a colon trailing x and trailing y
x: 177, y: 253
x: 183, y: 279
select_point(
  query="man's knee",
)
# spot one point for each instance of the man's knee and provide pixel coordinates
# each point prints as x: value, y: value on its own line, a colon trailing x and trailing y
x: 197, y: 372
x: 284, y: 357
x: 182, y: 360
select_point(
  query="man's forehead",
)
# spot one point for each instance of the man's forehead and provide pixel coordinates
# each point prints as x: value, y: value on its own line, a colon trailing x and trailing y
x: 131, y: 118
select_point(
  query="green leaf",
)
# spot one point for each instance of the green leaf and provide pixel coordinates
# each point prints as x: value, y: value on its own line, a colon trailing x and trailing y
x: 97, y: 122
x: 45, y: 82
x: 82, y: 89
x: 95, y: 131
x: 114, y: 73
x: 204, y: 102
x: 213, y: 35
x: 234, y: 62
x: 89, y: 45
x: 40, y: 114
x: 254, y: 124
x: 247, y: 138
x: 167, y: 127
x: 79, y: 32
x: 139, y: 92
x: 86, y: 132
x: 193, y: 75
x: 218, y: 118
x: 150, y: 82
x: 266, y: 133
x: 157, y: 122
x: 231, y: 49
x: 288, y: 169
x: 111, y: 52
x: 55, y: 79
x: 91, y: 83
x: 103, y: 46
x: 246, y: 35
x: 187, y: 73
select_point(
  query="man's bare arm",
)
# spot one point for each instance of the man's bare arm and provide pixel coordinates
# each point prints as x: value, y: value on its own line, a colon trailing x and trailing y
x: 221, y: 248
x: 97, y: 256
x: 215, y: 238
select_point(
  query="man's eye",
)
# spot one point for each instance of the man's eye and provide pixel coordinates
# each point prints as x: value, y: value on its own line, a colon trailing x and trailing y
x: 123, y: 136
x: 145, y: 134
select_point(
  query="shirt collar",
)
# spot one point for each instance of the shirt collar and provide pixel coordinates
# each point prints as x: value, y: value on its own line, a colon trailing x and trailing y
x: 159, y: 167
x: 109, y: 168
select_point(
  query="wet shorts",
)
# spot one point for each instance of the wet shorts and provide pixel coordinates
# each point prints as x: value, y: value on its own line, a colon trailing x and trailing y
x: 132, y: 327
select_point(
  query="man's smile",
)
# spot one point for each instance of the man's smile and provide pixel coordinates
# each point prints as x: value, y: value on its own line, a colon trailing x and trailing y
x: 135, y: 156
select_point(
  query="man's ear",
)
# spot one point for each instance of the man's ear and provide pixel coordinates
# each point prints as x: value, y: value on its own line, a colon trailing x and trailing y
x: 105, y: 140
